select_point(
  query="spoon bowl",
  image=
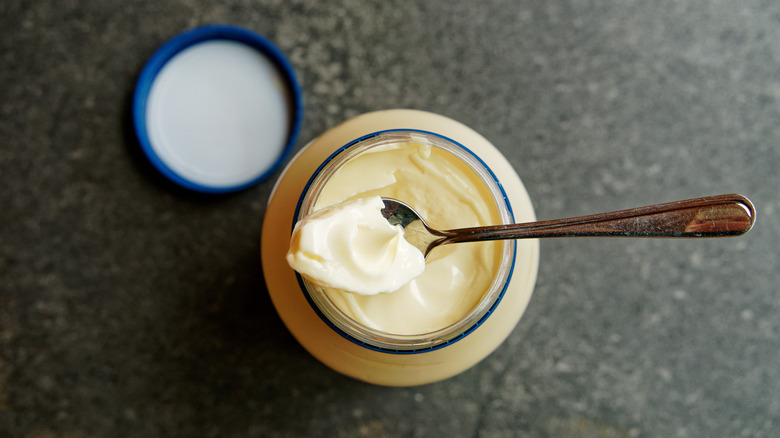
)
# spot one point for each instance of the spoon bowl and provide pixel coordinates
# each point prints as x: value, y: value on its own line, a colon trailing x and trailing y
x: 710, y: 216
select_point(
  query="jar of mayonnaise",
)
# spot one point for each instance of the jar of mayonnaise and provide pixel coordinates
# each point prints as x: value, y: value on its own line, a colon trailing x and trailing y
x: 469, y: 297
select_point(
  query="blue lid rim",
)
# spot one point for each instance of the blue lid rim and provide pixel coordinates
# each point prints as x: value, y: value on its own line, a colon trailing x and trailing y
x: 190, y: 38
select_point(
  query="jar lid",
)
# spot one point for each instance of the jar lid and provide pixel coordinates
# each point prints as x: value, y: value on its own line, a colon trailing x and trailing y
x: 217, y: 109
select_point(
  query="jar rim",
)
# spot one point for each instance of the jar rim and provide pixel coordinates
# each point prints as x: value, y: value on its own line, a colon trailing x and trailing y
x: 382, y: 341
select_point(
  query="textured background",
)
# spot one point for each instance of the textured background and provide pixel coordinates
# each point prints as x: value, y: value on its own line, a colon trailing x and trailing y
x: 131, y: 308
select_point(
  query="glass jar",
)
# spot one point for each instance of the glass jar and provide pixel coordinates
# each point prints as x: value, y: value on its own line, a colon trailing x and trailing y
x: 366, y: 353
x: 379, y: 340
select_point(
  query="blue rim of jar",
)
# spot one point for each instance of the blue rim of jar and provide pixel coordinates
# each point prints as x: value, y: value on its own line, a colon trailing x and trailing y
x: 466, y: 332
x: 185, y: 40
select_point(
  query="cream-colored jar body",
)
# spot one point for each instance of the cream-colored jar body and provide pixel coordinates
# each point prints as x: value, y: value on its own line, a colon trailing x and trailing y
x: 335, y: 350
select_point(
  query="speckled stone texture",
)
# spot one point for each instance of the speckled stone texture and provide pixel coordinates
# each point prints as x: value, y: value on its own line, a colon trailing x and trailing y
x: 131, y: 308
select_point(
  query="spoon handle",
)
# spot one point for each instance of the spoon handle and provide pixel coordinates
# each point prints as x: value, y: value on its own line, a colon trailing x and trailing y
x: 710, y: 216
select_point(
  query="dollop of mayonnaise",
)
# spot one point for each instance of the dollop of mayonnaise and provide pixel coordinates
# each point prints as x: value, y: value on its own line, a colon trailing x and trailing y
x: 351, y: 246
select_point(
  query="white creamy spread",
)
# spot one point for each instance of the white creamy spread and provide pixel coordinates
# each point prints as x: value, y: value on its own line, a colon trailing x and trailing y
x: 351, y: 246
x: 448, y: 194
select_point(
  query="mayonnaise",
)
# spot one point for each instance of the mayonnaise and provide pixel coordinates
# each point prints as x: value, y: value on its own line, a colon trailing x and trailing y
x: 336, y: 338
x: 447, y: 194
x: 351, y: 246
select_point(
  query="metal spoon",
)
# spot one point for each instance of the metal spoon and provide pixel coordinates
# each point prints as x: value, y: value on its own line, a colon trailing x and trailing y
x: 710, y: 216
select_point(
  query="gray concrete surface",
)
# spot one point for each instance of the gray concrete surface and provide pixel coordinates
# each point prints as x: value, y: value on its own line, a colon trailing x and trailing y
x: 131, y: 308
